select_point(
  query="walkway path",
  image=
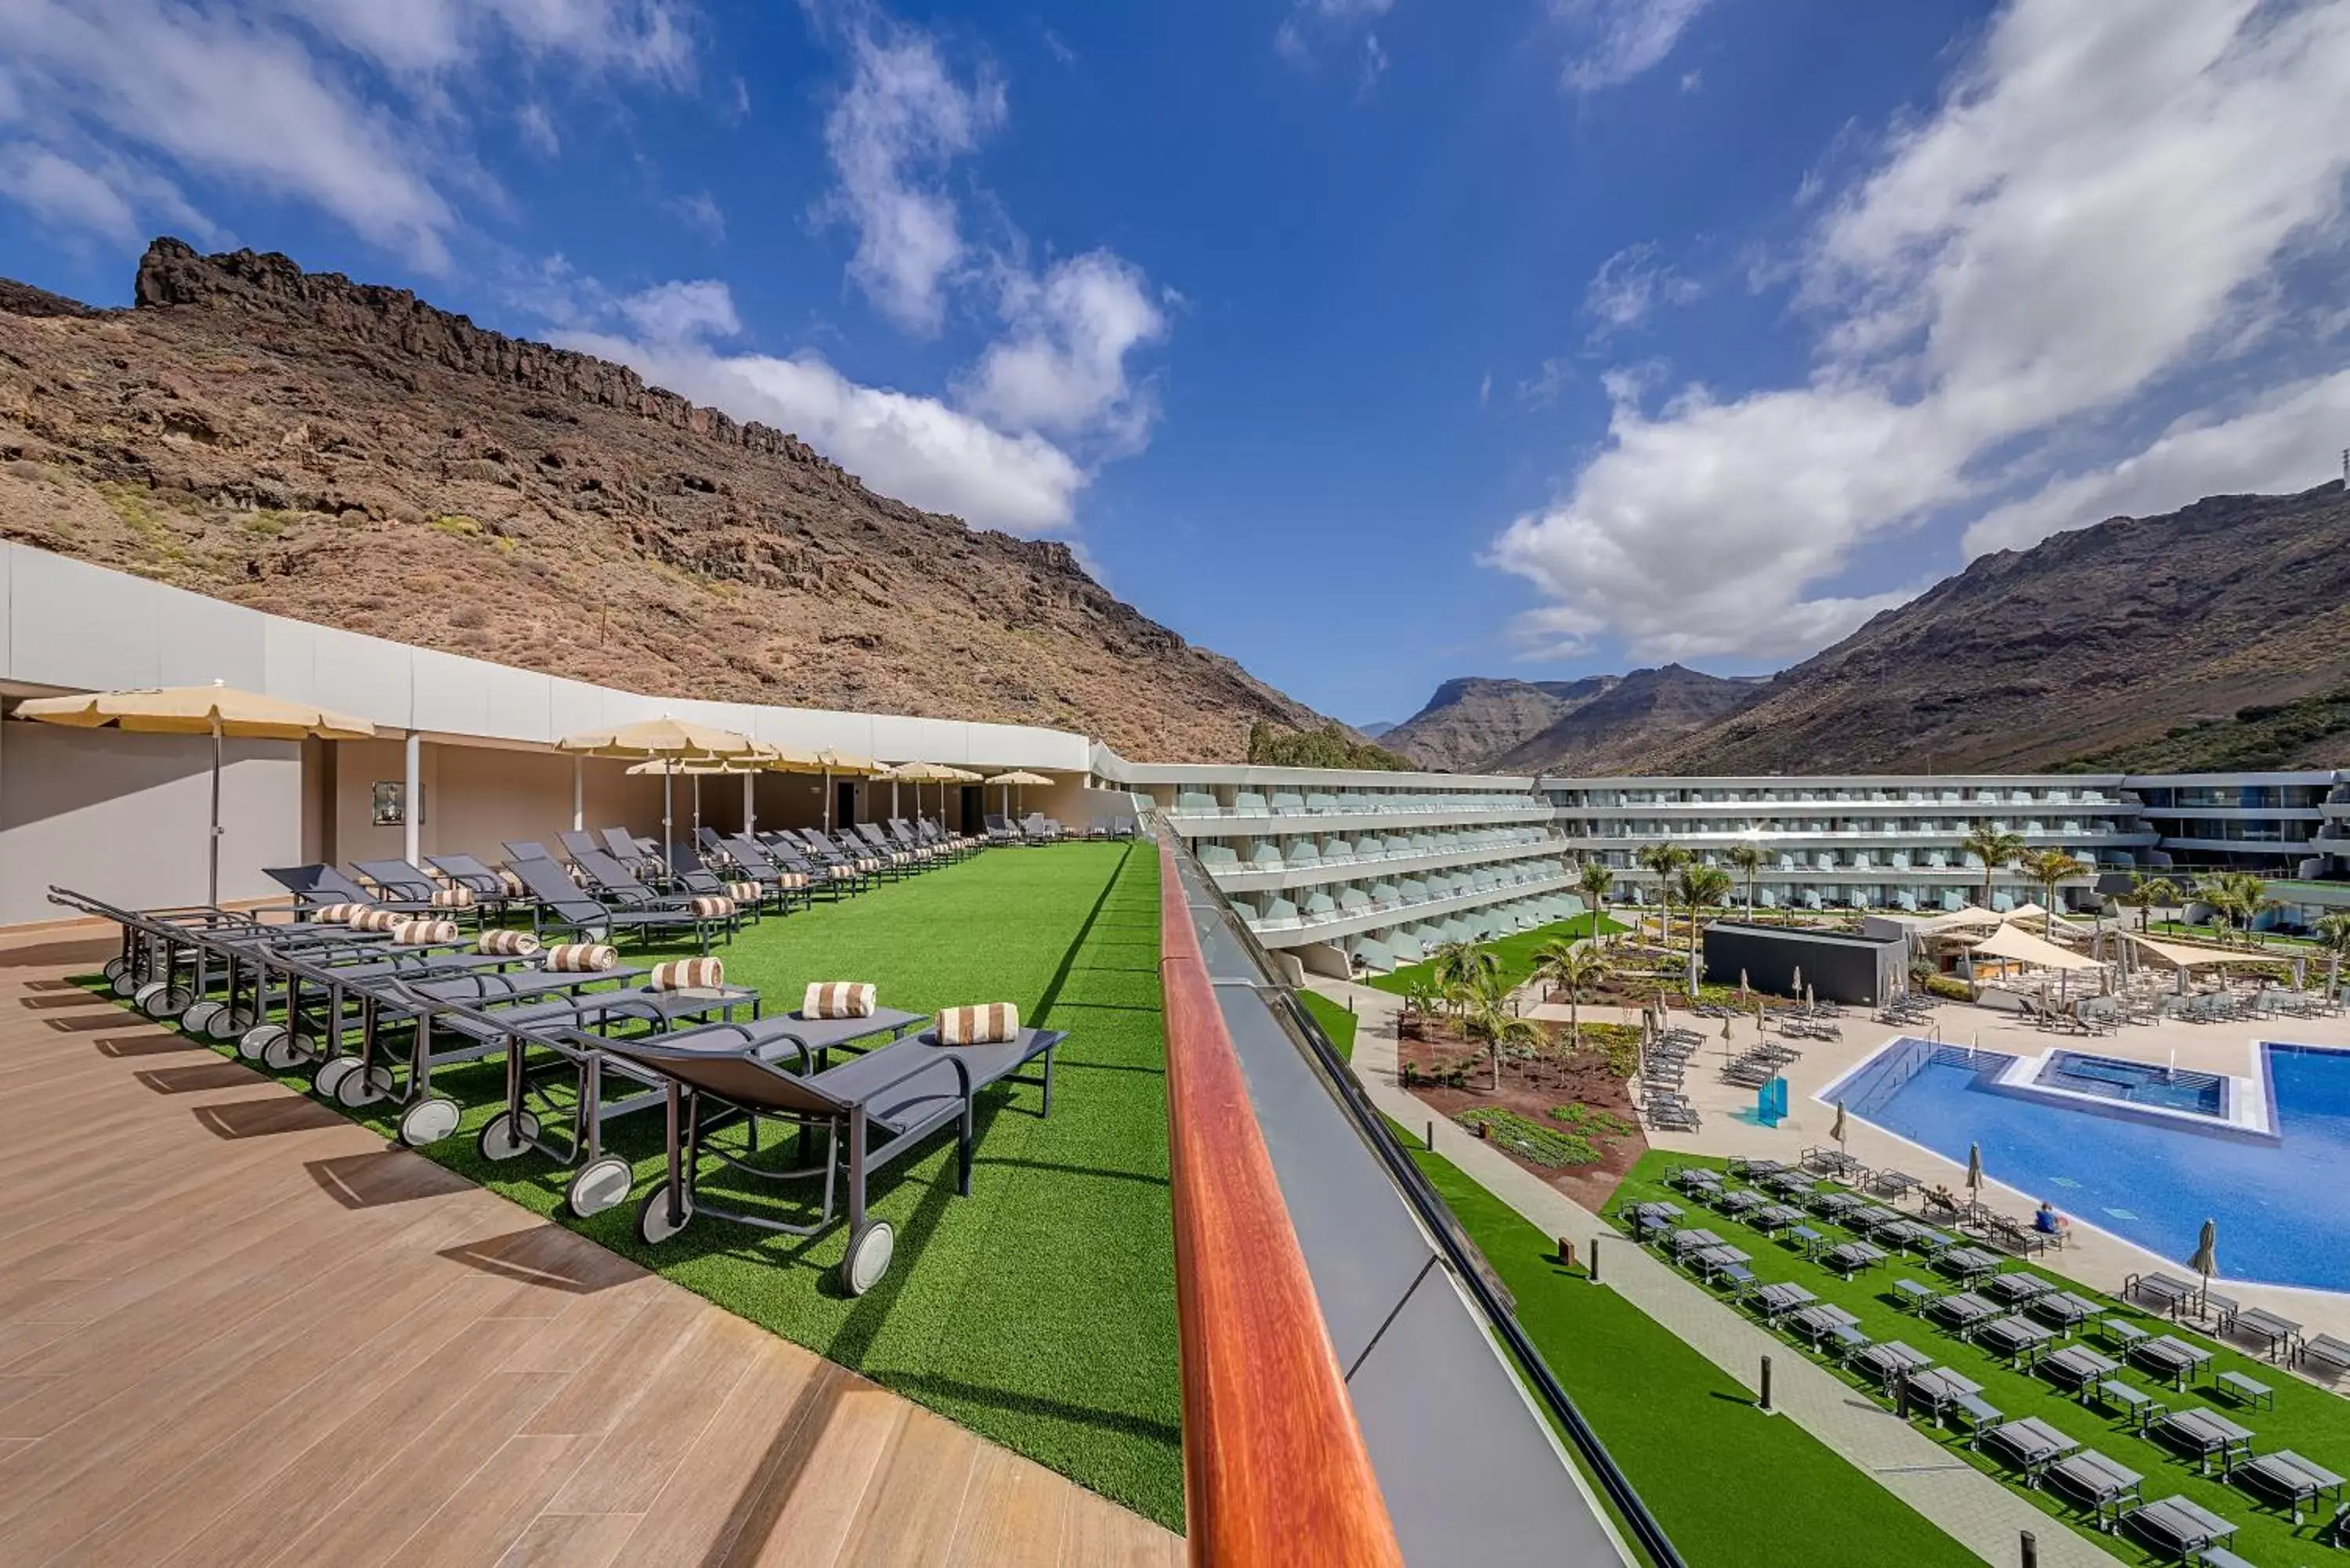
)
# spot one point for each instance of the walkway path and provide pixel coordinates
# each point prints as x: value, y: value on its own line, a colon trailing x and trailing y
x: 1973, y: 1508
x: 236, y: 1328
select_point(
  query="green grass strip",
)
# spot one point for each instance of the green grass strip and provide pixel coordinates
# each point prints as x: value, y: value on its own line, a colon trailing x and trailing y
x: 1516, y: 952
x: 1338, y: 1023
x: 1733, y: 1487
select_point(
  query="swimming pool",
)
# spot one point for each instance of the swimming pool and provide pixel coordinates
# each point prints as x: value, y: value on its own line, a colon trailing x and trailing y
x: 2278, y: 1201
x: 2135, y: 1083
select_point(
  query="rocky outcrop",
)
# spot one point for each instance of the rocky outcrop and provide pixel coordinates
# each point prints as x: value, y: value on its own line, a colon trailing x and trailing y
x: 349, y: 454
x: 1637, y: 714
x: 1472, y: 720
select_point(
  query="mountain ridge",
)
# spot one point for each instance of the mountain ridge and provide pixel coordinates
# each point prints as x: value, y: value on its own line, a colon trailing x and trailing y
x: 349, y: 454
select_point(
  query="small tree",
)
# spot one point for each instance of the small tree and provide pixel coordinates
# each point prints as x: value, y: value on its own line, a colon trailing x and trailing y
x: 1995, y: 848
x: 1700, y: 886
x: 2333, y: 933
x: 1463, y: 968
x: 1597, y: 881
x: 1664, y: 857
x: 1747, y: 860
x: 1572, y: 968
x: 1488, y: 1019
x: 2147, y: 894
x: 2048, y: 867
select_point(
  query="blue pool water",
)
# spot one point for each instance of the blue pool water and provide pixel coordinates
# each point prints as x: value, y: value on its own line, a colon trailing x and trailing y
x: 2281, y: 1207
x: 2138, y: 1082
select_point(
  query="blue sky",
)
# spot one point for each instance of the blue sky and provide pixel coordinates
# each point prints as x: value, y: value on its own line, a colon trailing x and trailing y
x: 1368, y: 341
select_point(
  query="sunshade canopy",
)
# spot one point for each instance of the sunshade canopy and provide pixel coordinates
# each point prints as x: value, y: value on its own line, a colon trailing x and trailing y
x: 2194, y: 957
x: 198, y: 711
x: 1018, y: 776
x: 663, y: 737
x: 2023, y: 947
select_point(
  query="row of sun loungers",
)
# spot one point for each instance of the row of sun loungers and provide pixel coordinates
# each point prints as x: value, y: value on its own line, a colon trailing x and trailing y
x: 585, y: 1039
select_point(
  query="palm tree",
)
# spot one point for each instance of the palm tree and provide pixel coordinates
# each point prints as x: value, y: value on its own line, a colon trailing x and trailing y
x: 1747, y: 860
x: 1597, y: 881
x: 1572, y: 968
x: 1664, y: 859
x: 2048, y: 867
x: 1488, y: 1020
x: 1698, y: 885
x: 1995, y: 848
x: 2333, y: 933
x: 2235, y: 896
x: 2148, y: 893
x: 1462, y: 968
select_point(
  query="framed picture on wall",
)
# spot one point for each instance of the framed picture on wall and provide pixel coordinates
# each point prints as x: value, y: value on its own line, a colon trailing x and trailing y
x: 391, y: 798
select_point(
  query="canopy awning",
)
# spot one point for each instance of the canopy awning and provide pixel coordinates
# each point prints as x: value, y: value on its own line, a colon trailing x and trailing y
x: 2194, y: 957
x: 2020, y: 946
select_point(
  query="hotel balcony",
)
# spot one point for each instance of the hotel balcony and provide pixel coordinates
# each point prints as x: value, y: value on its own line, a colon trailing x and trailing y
x: 1267, y: 868
x: 1324, y: 917
x: 1200, y: 815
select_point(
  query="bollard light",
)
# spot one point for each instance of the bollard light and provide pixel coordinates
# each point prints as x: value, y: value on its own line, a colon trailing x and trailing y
x: 1765, y: 1404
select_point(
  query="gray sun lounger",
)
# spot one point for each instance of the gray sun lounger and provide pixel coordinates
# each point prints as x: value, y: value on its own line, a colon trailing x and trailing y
x: 2327, y: 1351
x: 2017, y: 1287
x: 2177, y: 1525
x: 2062, y: 1308
x: 1963, y: 1311
x: 2290, y: 1478
x: 1784, y: 1297
x: 2207, y: 1435
x: 2174, y: 1358
x: 1853, y: 1257
x: 320, y: 884
x: 2032, y: 1443
x: 1888, y: 1362
x: 871, y: 1109
x: 2095, y: 1483
x: 2016, y: 1337
x: 563, y: 907
x: 2078, y: 1369
x: 2172, y: 1295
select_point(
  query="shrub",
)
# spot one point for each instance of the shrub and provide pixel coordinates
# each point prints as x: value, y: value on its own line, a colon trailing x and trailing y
x: 1529, y: 1139
x: 1591, y: 1120
x: 1949, y: 987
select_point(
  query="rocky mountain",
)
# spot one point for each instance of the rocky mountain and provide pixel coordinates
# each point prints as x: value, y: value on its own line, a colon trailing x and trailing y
x: 1636, y: 715
x: 2218, y: 631
x: 1373, y: 731
x: 1474, y: 719
x: 348, y: 454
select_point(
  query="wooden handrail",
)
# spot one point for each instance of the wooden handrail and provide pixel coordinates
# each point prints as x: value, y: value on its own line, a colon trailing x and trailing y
x: 1274, y: 1471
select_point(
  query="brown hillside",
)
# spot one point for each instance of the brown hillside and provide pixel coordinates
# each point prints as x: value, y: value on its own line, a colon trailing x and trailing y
x: 2097, y: 642
x: 350, y: 455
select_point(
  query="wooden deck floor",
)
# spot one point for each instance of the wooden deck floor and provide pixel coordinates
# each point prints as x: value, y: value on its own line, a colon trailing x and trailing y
x: 236, y: 1328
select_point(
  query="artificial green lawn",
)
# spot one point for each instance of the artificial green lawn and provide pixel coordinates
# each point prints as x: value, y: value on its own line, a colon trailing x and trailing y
x: 2307, y: 1419
x: 1337, y: 1022
x: 1733, y: 1487
x: 1516, y: 952
x: 1039, y: 1311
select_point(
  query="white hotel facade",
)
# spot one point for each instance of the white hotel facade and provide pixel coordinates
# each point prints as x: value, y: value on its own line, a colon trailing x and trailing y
x: 1334, y: 867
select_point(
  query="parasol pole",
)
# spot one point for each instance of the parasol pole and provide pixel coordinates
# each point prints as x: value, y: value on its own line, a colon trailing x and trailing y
x: 828, y: 802
x: 669, y: 776
x: 750, y: 803
x: 578, y: 793
x: 212, y: 897
x: 697, y: 808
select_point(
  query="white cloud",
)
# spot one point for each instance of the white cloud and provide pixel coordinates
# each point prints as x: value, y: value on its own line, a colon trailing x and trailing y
x: 1627, y: 38
x: 1061, y: 368
x: 1541, y: 389
x: 917, y: 449
x: 538, y: 128
x: 701, y: 210
x: 903, y: 120
x: 1631, y: 284
x: 1313, y: 28
x: 350, y: 106
x: 2097, y: 209
x: 65, y: 194
x: 2287, y: 440
x: 683, y: 312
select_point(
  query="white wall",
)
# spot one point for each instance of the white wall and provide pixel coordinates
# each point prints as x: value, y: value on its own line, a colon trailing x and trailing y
x: 123, y: 818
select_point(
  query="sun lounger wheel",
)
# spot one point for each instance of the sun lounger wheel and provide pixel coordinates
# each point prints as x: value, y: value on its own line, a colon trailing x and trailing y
x: 652, y: 1217
x: 162, y: 999
x: 286, y: 1050
x: 601, y: 1184
x: 869, y: 1251
x: 330, y: 1076
x: 509, y: 1137
x: 200, y: 1018
x: 255, y: 1043
x: 428, y: 1120
x: 355, y: 1088
x: 115, y: 969
x: 125, y: 979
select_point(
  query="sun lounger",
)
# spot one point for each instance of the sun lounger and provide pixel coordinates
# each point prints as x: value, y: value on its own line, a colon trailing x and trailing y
x: 2170, y: 1295
x: 2290, y: 1478
x: 2017, y: 1288
x: 2169, y: 1357
x: 1737, y: 1203
x: 2031, y: 1444
x: 2277, y: 1334
x: 2095, y: 1483
x: 1889, y: 1363
x: 2179, y: 1526
x: 2206, y: 1434
x: 2016, y: 1337
x: 1967, y: 1263
x: 318, y: 885
x: 1772, y: 1300
x: 874, y: 1108
x: 1963, y: 1311
x: 2078, y: 1369
x: 1825, y: 1321
x: 1836, y: 1205
x: 2062, y: 1308
x: 490, y: 890
x: 563, y: 907
x: 1853, y: 1257
x: 1935, y: 1390
x: 1773, y: 1217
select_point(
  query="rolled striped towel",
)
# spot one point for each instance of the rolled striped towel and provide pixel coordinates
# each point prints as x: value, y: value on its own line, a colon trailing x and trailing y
x: 454, y: 898
x: 507, y: 944
x: 991, y: 1023
x: 511, y: 883
x: 836, y: 998
x: 420, y: 932
x: 712, y: 907
x: 689, y: 974
x: 375, y: 919
x: 869, y: 865
x: 580, y: 958
x: 792, y: 880
x: 743, y: 892
x: 336, y: 914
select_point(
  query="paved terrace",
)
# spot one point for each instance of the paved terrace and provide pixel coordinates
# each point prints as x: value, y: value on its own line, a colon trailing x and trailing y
x: 236, y: 1328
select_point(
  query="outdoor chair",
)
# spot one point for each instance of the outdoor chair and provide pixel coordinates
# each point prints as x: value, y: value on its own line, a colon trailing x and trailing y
x: 563, y: 907
x: 867, y: 1112
x: 316, y: 885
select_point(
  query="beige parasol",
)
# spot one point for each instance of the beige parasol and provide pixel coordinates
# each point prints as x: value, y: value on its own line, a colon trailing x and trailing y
x: 219, y: 710
x: 668, y: 739
x: 1019, y: 778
